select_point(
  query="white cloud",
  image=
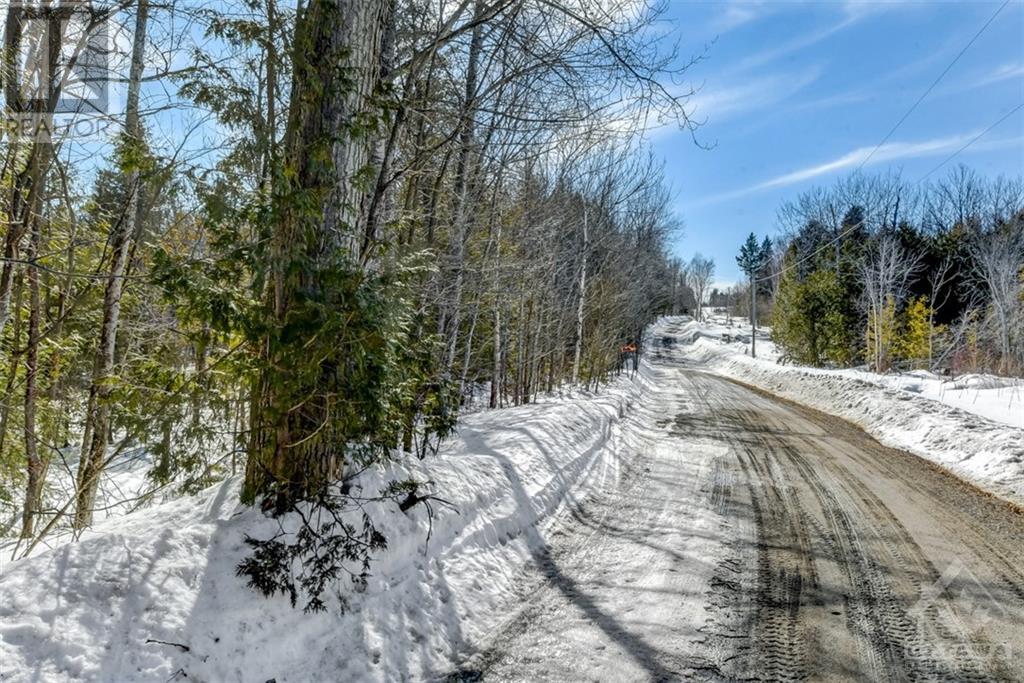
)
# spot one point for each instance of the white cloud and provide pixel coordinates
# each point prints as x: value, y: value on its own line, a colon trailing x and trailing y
x: 863, y: 8
x: 853, y: 11
x: 738, y: 13
x: 888, y: 152
x: 799, y: 43
x: 717, y: 104
x: 1003, y: 73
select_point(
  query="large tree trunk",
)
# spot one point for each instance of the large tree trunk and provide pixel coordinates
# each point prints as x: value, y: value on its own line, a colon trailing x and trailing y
x: 338, y: 58
x: 94, y: 450
x: 270, y: 127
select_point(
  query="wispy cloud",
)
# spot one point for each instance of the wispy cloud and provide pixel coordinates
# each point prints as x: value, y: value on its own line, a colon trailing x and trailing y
x: 863, y: 8
x: 737, y: 13
x: 760, y: 58
x: 887, y: 152
x: 851, y: 12
x: 717, y: 104
x: 892, y: 151
x: 982, y: 79
x: 1003, y: 73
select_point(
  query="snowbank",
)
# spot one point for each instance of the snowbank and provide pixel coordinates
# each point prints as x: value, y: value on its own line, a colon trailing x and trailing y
x: 152, y: 595
x: 973, y: 429
x: 1000, y: 399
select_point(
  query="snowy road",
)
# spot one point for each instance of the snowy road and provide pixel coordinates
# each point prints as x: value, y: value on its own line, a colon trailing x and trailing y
x: 747, y: 537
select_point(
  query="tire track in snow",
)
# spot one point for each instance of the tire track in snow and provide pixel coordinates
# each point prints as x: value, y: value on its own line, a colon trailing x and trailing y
x: 813, y: 552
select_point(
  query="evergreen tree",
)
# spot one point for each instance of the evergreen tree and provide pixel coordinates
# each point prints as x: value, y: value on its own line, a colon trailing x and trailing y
x: 751, y: 259
x: 808, y: 321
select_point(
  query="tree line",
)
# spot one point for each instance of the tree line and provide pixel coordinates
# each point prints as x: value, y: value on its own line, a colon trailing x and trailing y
x: 877, y: 272
x: 367, y: 217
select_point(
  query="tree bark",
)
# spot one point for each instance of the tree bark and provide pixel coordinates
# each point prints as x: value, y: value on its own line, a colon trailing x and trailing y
x: 12, y: 367
x: 461, y: 219
x: 583, y: 297
x: 94, y: 450
x: 36, y: 466
x: 26, y: 191
x: 338, y: 59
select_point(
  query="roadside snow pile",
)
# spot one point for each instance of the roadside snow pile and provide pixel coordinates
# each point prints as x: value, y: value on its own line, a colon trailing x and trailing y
x: 153, y: 596
x: 899, y: 412
x: 1000, y: 399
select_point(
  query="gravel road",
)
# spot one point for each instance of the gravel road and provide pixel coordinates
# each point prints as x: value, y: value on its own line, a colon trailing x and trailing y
x: 749, y: 538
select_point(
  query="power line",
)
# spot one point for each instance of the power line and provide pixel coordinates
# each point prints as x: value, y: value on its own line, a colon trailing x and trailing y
x: 928, y: 90
x: 861, y: 222
x: 972, y: 141
x: 934, y: 83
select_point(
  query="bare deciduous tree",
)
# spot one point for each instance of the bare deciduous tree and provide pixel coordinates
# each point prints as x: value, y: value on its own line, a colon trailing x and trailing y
x: 998, y: 258
x: 700, y: 274
x: 885, y: 274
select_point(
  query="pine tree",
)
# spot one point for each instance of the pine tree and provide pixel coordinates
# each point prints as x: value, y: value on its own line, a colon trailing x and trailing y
x: 751, y: 259
x: 808, y: 321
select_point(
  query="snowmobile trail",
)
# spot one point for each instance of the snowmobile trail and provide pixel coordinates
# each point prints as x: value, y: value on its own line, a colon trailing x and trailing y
x: 750, y: 538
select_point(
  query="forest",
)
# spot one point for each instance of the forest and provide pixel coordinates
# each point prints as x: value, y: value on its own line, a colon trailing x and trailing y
x: 511, y: 340
x: 314, y: 236
x: 874, y: 271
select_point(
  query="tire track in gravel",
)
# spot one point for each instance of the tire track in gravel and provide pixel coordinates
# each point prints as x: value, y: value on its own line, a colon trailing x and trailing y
x: 837, y: 569
x: 746, y: 537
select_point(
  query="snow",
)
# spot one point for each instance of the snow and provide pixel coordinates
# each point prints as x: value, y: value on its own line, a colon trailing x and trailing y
x: 972, y: 426
x: 125, y: 485
x: 153, y: 596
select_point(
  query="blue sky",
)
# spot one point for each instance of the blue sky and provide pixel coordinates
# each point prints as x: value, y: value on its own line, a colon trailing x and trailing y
x: 797, y: 94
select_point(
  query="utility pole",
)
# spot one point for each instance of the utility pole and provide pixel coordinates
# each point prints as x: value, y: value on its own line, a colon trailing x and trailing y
x: 751, y: 259
x: 753, y: 316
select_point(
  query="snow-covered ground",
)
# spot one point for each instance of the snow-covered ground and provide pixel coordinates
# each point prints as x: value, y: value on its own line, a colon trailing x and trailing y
x: 153, y: 596
x: 124, y: 487
x: 973, y: 426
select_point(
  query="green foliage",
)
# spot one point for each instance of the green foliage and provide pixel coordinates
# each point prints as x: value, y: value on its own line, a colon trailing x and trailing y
x: 356, y: 329
x: 808, y: 320
x: 881, y: 335
x: 326, y: 546
x: 348, y: 331
x: 752, y: 255
x: 914, y: 341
